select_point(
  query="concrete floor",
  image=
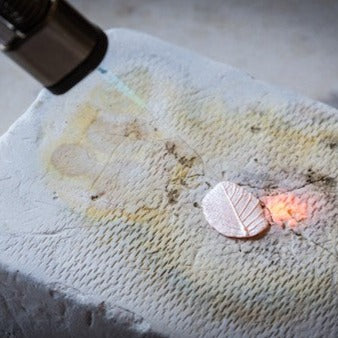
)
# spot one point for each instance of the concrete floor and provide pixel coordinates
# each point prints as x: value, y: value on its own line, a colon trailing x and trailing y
x: 289, y: 43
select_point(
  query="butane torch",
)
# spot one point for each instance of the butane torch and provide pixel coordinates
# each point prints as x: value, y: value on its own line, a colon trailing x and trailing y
x: 51, y: 40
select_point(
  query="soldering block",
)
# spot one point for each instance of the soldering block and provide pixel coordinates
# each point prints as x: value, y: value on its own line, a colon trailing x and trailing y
x: 101, y: 228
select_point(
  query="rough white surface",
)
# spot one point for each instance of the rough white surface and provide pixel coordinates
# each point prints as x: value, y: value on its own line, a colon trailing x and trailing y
x: 101, y: 230
x: 290, y: 43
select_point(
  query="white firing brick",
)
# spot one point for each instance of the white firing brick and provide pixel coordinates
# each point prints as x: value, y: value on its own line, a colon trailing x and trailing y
x: 101, y: 230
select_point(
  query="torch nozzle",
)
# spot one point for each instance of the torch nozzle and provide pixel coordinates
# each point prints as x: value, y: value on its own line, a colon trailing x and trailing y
x: 24, y: 14
x: 51, y: 40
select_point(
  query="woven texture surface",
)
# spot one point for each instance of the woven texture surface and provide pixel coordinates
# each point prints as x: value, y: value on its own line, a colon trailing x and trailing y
x: 100, y: 194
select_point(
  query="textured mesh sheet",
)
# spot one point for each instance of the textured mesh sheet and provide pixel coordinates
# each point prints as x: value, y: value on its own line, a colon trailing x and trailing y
x: 100, y: 194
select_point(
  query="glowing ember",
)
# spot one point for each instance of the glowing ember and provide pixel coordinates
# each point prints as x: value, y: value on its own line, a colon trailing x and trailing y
x: 285, y: 209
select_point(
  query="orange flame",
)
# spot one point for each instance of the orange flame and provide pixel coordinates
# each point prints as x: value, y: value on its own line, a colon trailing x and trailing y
x: 285, y: 209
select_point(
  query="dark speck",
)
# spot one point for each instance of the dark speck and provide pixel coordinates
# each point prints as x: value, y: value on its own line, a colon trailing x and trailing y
x: 316, y: 178
x: 172, y: 196
x: 170, y: 147
x: 102, y: 71
x: 255, y: 129
x: 96, y: 197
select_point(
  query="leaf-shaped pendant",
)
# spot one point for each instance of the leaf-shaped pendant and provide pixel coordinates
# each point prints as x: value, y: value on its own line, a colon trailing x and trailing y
x: 233, y: 211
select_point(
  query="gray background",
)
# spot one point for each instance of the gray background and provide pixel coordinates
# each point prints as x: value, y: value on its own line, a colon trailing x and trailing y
x: 290, y: 43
